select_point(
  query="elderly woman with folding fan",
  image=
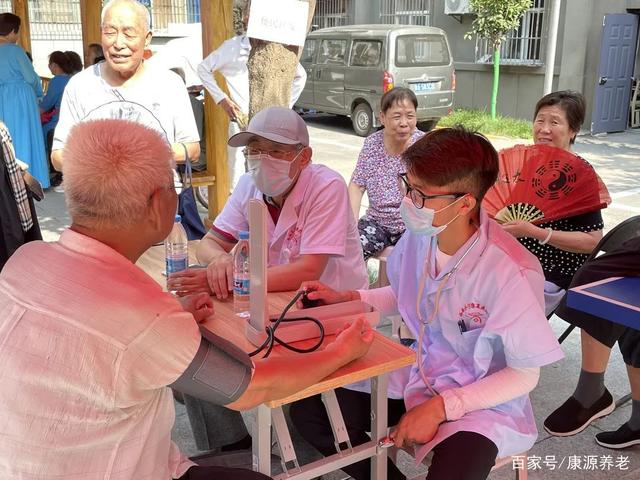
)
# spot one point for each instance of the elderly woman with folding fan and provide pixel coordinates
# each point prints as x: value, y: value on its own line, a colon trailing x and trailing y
x: 550, y: 198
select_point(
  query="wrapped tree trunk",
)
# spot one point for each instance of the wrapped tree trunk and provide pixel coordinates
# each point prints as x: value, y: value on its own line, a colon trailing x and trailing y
x: 272, y: 67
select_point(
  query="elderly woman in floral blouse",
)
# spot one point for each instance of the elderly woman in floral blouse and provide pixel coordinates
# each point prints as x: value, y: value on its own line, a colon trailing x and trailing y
x: 376, y: 172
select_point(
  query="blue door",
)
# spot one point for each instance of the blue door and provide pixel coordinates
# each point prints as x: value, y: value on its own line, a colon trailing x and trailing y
x: 613, y: 88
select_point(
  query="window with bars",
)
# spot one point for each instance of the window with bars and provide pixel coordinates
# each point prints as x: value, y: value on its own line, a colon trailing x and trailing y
x: 166, y: 12
x: 524, y: 45
x: 332, y: 13
x: 60, y: 19
x: 406, y: 12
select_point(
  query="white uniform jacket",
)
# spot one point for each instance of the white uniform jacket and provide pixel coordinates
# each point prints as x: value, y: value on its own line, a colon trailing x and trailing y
x: 497, y: 291
x: 315, y: 219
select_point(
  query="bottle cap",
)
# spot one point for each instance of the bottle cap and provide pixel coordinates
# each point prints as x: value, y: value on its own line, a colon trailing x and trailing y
x: 178, y: 219
x: 243, y: 235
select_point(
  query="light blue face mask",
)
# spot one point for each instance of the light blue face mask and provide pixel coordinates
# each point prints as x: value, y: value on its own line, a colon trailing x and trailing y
x: 420, y: 220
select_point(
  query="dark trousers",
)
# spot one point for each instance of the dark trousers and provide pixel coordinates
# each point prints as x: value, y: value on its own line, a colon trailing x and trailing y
x: 221, y: 473
x: 463, y: 456
x: 211, y: 467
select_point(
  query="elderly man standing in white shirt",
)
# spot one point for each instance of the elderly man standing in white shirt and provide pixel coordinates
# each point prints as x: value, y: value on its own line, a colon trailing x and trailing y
x: 230, y: 59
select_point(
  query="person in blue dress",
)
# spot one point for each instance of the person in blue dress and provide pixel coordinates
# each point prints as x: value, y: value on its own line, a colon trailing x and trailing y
x: 20, y: 89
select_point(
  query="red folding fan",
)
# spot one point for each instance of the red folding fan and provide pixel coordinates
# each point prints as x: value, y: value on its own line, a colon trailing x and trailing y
x: 541, y: 183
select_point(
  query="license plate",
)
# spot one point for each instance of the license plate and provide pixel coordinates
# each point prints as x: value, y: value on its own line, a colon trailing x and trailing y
x: 424, y: 86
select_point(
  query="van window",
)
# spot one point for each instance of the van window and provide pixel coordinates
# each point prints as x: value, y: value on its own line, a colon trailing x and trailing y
x: 421, y: 51
x: 309, y: 52
x: 332, y: 52
x: 365, y: 53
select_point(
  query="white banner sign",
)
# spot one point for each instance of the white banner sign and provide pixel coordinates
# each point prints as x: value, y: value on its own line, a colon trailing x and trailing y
x: 281, y: 21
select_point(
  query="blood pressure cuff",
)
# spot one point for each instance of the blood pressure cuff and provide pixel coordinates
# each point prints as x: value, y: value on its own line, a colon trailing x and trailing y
x: 219, y: 373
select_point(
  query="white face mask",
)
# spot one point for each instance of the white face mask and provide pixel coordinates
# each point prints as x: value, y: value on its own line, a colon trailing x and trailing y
x: 270, y: 174
x: 420, y: 220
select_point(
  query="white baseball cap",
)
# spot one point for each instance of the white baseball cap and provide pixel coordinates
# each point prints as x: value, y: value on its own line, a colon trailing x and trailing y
x: 277, y: 124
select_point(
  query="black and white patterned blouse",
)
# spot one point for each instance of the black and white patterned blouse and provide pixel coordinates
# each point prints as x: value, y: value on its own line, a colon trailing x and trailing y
x: 558, y: 265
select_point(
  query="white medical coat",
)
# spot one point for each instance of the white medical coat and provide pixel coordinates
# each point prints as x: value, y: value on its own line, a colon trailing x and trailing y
x: 315, y: 219
x: 498, y: 292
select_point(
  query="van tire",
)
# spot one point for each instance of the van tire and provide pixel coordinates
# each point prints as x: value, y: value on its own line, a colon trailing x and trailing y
x: 362, y: 119
x: 428, y: 125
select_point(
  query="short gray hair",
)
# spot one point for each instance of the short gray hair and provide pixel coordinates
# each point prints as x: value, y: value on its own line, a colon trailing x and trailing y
x: 140, y: 9
x: 111, y: 168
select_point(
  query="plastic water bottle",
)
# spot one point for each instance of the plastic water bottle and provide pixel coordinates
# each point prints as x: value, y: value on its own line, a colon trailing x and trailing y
x: 176, y: 249
x: 241, y: 276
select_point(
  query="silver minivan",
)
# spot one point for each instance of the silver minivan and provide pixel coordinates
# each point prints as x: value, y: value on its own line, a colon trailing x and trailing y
x: 349, y: 68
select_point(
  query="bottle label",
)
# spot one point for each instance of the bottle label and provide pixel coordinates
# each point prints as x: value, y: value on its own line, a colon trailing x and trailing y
x: 241, y: 287
x: 174, y: 265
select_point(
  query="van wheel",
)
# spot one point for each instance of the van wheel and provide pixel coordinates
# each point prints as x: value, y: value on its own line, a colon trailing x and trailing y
x: 362, y: 119
x: 428, y: 125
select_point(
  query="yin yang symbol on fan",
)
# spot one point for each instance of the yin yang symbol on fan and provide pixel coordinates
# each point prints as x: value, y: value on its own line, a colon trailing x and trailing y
x: 554, y: 180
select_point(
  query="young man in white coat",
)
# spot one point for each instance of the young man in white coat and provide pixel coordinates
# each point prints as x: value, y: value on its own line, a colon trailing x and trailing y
x: 473, y: 297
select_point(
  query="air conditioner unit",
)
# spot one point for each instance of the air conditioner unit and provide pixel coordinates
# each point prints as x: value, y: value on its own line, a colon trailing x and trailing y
x: 457, y: 7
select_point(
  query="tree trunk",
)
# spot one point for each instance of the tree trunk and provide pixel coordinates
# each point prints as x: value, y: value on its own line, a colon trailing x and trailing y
x: 272, y: 67
x: 496, y: 81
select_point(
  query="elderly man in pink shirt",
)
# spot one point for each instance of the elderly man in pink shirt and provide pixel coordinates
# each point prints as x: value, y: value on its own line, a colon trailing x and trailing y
x: 89, y: 342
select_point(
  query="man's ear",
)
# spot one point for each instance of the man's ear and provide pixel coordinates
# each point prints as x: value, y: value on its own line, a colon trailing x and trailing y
x: 305, y: 156
x: 469, y: 203
x: 157, y: 210
x: 147, y: 40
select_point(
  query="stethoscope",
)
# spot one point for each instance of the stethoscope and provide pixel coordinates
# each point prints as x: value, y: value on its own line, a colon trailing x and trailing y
x: 423, y: 323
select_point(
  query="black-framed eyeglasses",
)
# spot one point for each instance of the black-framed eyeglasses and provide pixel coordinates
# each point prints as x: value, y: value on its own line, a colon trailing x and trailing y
x: 417, y: 197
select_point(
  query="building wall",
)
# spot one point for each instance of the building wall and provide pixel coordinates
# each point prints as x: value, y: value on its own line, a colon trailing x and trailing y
x: 576, y: 63
x: 520, y: 86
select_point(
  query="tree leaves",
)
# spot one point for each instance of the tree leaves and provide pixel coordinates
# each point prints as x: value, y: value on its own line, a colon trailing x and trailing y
x: 495, y: 18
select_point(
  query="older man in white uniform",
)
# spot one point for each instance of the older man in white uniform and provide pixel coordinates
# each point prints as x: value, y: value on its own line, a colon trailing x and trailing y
x: 312, y: 235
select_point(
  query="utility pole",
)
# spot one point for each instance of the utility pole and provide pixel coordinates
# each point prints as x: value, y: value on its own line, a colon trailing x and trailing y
x: 551, y: 46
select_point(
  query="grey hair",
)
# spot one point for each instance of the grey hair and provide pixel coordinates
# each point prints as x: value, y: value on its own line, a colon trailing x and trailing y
x: 140, y: 9
x: 111, y: 168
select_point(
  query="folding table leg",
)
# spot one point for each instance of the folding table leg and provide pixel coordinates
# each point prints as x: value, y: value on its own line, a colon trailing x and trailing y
x: 287, y: 452
x: 379, y: 424
x: 340, y: 434
x: 261, y: 441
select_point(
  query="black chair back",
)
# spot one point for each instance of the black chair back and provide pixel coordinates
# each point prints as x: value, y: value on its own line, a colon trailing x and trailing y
x: 614, y: 239
x: 617, y: 236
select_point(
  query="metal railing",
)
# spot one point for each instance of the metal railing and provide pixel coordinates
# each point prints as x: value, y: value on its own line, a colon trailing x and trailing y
x: 406, y: 12
x: 55, y: 19
x: 167, y: 12
x: 60, y: 19
x: 332, y: 13
x: 524, y: 45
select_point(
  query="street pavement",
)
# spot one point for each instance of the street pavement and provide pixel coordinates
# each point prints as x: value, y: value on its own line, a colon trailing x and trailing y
x: 616, y: 158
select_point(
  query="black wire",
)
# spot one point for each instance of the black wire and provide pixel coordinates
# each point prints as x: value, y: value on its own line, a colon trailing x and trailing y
x: 271, y: 339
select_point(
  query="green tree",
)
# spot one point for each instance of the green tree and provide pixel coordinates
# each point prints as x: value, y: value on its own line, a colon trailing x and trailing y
x: 494, y: 19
